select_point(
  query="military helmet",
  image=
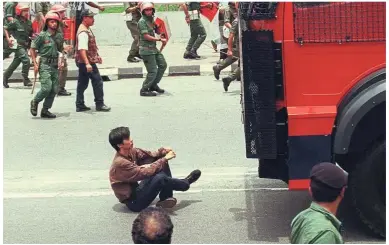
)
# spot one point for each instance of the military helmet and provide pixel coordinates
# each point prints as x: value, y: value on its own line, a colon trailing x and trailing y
x: 20, y: 7
x: 57, y: 8
x: 147, y: 5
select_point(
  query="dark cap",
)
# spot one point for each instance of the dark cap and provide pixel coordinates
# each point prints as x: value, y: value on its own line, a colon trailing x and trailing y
x: 329, y: 174
x: 87, y: 13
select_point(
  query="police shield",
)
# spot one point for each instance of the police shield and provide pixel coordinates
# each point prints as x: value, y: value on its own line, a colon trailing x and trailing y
x: 162, y: 27
x: 209, y: 12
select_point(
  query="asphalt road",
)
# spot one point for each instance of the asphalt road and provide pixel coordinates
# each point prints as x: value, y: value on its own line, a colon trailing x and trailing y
x: 56, y: 187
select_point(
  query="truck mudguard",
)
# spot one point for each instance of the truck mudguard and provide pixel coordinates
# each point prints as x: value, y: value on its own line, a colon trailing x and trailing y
x: 366, y: 95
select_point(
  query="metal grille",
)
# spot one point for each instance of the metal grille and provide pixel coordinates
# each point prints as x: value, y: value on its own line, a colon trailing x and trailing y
x: 339, y: 22
x: 259, y: 90
x: 257, y: 10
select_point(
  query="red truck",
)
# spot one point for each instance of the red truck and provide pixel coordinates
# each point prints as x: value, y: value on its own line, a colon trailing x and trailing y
x: 314, y: 90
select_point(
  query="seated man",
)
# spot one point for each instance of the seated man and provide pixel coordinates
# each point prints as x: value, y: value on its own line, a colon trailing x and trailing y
x: 152, y: 226
x: 131, y: 165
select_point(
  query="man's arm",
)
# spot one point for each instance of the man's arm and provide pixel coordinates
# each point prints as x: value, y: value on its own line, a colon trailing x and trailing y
x: 325, y: 237
x: 142, y: 26
x: 7, y: 27
x: 129, y: 171
x: 227, y: 18
x: 92, y: 4
x: 83, y: 46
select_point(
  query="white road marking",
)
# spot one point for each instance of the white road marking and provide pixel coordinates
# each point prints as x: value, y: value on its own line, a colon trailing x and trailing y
x: 110, y: 193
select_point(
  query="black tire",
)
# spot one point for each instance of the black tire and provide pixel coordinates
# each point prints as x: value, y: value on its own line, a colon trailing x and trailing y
x: 368, y: 186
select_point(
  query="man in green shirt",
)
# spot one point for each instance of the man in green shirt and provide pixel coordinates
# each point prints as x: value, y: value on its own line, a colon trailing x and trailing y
x: 233, y: 54
x: 197, y: 31
x: 133, y: 10
x: 49, y: 43
x: 152, y: 58
x: 9, y: 14
x: 318, y: 224
x: 21, y: 29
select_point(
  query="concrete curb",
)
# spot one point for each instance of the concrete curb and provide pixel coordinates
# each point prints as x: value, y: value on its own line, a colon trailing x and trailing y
x: 112, y: 74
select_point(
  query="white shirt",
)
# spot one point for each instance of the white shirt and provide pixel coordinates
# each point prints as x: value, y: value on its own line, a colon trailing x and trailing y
x: 83, y: 41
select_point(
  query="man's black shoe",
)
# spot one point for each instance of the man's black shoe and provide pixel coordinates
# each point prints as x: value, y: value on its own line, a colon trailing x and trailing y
x: 157, y: 89
x: 63, y: 92
x: 33, y: 108
x: 46, y: 114
x: 194, y: 176
x: 81, y: 108
x: 226, y: 83
x: 103, y: 108
x: 147, y: 93
x: 27, y: 82
x: 5, y: 82
x: 216, y: 72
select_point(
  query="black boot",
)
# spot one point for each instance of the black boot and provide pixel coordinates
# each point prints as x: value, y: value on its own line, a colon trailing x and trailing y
x: 80, y: 108
x: 194, y: 54
x: 103, y: 108
x: 46, y: 114
x: 157, y: 89
x: 216, y: 72
x: 147, y: 93
x: 132, y: 59
x: 33, y: 108
x: 226, y: 82
x: 63, y: 92
x: 5, y: 82
x: 188, y: 55
x: 193, y: 176
x: 27, y: 82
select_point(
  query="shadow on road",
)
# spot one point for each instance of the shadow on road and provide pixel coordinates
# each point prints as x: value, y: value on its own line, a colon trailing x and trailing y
x: 269, y: 214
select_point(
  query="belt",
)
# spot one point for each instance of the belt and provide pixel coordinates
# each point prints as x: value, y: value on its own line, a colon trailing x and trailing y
x: 194, y: 15
x: 148, y: 48
x: 49, y: 60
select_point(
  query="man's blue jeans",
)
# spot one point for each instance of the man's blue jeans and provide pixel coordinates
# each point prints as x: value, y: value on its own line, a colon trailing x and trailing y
x: 162, y: 183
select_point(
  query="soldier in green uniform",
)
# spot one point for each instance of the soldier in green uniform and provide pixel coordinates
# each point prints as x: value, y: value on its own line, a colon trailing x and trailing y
x: 197, y: 31
x: 133, y: 10
x: 152, y: 58
x: 318, y: 224
x: 48, y: 43
x: 233, y: 54
x: 60, y: 10
x: 231, y: 13
x: 21, y: 29
x: 9, y: 14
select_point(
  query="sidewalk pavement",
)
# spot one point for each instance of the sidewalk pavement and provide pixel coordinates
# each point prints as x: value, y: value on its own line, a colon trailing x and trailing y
x: 115, y: 65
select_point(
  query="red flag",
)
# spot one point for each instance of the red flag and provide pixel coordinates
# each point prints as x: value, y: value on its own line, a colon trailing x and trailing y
x: 162, y: 27
x: 209, y: 12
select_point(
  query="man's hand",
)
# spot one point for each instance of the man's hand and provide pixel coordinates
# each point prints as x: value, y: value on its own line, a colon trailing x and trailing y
x: 187, y: 19
x: 10, y: 43
x: 68, y: 48
x: 163, y: 40
x: 100, y: 60
x: 210, y: 5
x: 89, y: 68
x: 229, y: 53
x: 101, y: 8
x: 170, y: 155
x: 36, y: 67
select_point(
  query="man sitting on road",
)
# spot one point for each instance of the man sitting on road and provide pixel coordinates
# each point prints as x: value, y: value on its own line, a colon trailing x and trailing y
x: 318, y: 223
x: 131, y: 165
x: 152, y: 226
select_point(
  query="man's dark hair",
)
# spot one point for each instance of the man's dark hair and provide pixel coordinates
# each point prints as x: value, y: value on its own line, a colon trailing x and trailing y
x: 152, y: 226
x: 118, y: 135
x: 323, y: 193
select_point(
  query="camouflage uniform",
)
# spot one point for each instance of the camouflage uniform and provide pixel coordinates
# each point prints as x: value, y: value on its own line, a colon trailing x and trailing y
x: 235, y: 52
x: 197, y: 31
x: 22, y: 31
x: 132, y: 25
x: 9, y: 11
x: 48, y: 47
x: 152, y: 58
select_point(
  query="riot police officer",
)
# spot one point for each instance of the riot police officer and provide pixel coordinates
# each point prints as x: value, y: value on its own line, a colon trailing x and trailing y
x: 152, y: 58
x: 49, y: 44
x: 197, y: 31
x: 21, y: 29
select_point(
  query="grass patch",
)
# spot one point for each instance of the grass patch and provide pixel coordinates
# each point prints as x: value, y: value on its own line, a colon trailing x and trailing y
x: 158, y: 8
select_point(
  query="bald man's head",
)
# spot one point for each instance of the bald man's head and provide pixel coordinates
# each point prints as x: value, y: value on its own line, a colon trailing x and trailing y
x: 153, y: 225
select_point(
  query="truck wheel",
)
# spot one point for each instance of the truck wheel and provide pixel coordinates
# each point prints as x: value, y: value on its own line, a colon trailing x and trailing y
x: 368, y: 186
